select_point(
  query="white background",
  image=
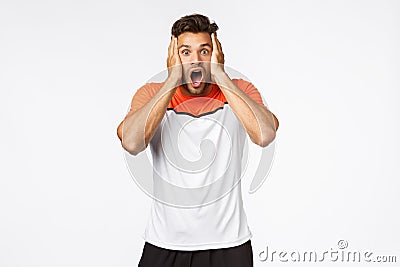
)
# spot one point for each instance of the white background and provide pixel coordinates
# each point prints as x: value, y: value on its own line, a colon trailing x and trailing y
x: 329, y: 70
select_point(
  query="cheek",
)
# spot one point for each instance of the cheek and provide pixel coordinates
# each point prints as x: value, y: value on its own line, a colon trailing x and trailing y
x: 185, y: 66
x: 186, y: 63
x: 184, y: 59
x: 207, y: 65
x: 206, y: 57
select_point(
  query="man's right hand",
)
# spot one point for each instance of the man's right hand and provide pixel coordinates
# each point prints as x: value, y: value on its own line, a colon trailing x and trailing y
x: 147, y: 112
x: 174, y: 62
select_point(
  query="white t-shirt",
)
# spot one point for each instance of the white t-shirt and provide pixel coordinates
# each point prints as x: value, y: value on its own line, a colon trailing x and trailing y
x: 197, y: 161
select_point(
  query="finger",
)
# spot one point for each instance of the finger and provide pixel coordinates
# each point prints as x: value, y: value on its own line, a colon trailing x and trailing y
x: 170, y: 47
x: 213, y: 40
x: 176, y: 46
x: 169, y: 51
x: 218, y: 44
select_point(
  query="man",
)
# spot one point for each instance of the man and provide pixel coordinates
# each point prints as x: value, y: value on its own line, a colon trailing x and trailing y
x: 197, y: 101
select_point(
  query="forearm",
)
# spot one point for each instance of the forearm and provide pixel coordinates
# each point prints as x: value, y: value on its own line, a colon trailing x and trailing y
x: 139, y: 127
x: 256, y: 119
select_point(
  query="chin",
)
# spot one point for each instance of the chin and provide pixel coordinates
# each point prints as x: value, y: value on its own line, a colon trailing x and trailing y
x: 195, y: 90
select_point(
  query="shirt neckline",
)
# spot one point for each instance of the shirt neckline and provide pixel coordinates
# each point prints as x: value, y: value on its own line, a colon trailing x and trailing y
x: 213, y: 92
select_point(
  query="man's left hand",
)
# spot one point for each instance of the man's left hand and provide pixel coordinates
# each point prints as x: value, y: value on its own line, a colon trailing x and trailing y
x: 217, y: 57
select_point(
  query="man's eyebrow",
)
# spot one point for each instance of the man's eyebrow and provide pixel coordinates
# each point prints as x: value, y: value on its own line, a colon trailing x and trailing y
x: 206, y: 44
x: 188, y: 46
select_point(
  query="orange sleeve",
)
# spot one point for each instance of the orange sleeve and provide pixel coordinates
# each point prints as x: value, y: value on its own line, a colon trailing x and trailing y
x: 143, y: 95
x: 249, y: 89
x: 252, y: 92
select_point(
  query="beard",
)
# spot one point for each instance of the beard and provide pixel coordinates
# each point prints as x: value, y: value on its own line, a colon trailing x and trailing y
x: 195, y: 91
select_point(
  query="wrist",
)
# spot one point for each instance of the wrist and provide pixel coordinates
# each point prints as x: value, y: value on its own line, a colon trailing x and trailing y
x: 174, y: 79
x: 219, y: 76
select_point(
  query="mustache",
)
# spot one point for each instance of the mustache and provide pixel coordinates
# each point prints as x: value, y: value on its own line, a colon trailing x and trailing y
x: 189, y: 70
x: 193, y: 65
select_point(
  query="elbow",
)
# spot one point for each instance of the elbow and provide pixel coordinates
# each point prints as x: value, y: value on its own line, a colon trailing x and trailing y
x: 133, y: 149
x: 131, y: 146
x: 266, y: 138
x: 133, y: 152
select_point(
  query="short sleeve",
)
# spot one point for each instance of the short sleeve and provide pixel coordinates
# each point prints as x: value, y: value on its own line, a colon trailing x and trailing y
x: 143, y: 95
x: 249, y: 89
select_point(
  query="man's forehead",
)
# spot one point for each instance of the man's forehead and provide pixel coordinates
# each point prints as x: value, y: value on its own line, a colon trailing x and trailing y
x: 194, y: 46
x: 194, y: 39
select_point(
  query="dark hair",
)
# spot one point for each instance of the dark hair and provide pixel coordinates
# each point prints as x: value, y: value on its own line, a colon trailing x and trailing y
x: 193, y: 23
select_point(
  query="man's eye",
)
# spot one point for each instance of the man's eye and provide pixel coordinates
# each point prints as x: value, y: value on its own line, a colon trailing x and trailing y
x: 204, y: 52
x: 185, y: 52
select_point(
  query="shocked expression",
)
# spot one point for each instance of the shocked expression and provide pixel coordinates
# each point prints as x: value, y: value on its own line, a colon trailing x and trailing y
x: 195, y: 51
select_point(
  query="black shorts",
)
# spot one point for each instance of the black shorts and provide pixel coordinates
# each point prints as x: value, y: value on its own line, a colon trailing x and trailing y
x: 238, y: 256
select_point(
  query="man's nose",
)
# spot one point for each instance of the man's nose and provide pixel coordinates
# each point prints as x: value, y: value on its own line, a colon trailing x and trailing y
x: 195, y: 58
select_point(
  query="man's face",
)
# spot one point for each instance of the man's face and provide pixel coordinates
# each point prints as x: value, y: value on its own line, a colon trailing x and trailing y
x: 195, y: 52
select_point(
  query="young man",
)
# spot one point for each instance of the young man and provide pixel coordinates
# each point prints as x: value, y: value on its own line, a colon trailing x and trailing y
x: 197, y: 101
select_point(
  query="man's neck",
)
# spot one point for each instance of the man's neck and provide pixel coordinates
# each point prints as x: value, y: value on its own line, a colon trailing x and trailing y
x: 206, y: 91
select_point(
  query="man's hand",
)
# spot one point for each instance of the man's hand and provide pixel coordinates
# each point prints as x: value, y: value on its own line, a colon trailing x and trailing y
x: 174, y: 63
x: 217, y: 57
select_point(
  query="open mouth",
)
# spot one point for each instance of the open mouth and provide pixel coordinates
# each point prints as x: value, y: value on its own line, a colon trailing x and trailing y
x: 196, y: 77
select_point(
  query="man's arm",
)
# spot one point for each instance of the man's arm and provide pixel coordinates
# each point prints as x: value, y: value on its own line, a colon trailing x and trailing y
x: 259, y: 123
x: 139, y: 126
